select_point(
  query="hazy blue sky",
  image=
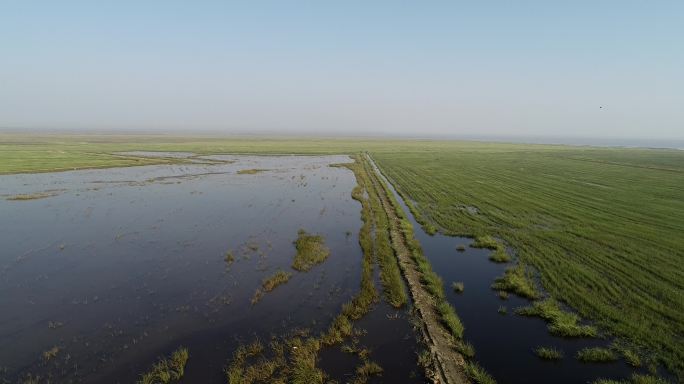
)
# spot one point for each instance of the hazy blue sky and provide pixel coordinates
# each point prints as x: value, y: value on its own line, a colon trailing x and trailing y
x: 421, y: 67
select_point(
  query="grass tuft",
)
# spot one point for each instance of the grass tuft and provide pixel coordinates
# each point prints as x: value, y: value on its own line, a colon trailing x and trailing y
x: 477, y: 374
x: 311, y: 250
x: 457, y: 286
x: 500, y: 256
x: 561, y: 323
x: 167, y: 370
x: 549, y: 353
x: 596, y: 355
x: 251, y: 171
x: 516, y: 280
x: 278, y: 278
x: 485, y: 241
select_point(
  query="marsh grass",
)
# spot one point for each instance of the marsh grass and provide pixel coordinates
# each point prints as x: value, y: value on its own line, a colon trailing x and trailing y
x: 596, y: 355
x: 500, y: 256
x: 561, y: 323
x: 539, y: 201
x: 167, y: 370
x: 477, y: 374
x: 457, y: 286
x: 250, y: 171
x: 270, y: 283
x: 51, y: 353
x: 517, y: 280
x: 635, y: 379
x: 311, y: 250
x: 365, y: 371
x: 258, y: 294
x: 466, y: 349
x: 461, y: 248
x: 450, y: 319
x: 32, y: 196
x: 548, y: 353
x: 229, y: 258
x: 278, y: 278
x: 292, y: 360
x: 626, y: 350
x: 485, y: 241
x: 502, y: 310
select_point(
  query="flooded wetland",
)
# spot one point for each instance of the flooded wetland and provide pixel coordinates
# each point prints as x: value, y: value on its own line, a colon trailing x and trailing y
x: 267, y: 269
x: 118, y: 267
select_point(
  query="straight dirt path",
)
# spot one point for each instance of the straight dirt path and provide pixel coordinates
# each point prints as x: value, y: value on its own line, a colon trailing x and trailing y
x: 449, y: 363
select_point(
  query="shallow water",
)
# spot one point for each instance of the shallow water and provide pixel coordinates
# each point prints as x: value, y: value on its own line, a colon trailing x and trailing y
x: 124, y: 265
x: 505, y: 344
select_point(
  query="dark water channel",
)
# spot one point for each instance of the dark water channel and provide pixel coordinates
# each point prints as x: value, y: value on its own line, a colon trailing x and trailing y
x: 505, y: 344
x: 120, y: 266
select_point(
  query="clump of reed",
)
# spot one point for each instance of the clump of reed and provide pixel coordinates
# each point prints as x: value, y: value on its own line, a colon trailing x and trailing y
x: 516, y: 280
x: 596, y: 355
x: 502, y: 310
x: 461, y: 248
x: 561, y: 323
x: 311, y: 250
x: 549, y: 353
x: 167, y: 370
x: 457, y: 286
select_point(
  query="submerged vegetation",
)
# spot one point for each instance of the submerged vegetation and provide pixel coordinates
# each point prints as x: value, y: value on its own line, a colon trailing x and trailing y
x: 561, y: 323
x: 311, y: 251
x: 167, y: 370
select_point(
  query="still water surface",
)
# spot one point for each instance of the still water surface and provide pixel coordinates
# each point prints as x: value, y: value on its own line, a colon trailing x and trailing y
x: 123, y: 265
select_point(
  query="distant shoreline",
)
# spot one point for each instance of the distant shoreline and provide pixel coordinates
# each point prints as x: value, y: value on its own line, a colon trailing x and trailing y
x: 605, y: 142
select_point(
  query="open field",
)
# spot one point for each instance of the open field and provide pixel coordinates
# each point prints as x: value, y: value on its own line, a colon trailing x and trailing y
x: 600, y: 228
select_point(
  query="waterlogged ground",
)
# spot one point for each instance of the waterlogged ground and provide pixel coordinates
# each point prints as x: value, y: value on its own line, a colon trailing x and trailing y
x: 113, y: 268
x: 505, y: 343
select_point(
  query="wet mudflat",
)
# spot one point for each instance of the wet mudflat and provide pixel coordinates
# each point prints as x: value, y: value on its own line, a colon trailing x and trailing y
x: 505, y: 342
x: 110, y: 269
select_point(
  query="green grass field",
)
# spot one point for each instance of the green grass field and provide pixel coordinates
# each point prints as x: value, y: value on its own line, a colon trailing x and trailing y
x: 602, y: 227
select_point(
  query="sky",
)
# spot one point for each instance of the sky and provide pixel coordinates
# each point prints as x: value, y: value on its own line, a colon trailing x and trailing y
x: 515, y: 68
